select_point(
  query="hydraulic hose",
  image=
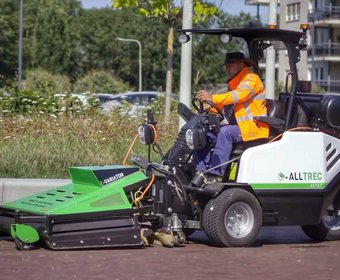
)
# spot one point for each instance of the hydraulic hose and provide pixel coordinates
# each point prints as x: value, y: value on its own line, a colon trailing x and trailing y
x: 174, y: 176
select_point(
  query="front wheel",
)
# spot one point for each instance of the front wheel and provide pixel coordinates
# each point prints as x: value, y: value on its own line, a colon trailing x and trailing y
x: 23, y: 246
x: 328, y: 229
x: 233, y: 219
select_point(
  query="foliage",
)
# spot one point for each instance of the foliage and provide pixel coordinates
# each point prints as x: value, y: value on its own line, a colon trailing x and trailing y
x: 44, y: 147
x: 27, y: 101
x: 169, y: 12
x: 8, y: 40
x: 55, y: 36
x: 63, y: 38
x: 99, y: 50
x: 45, y: 128
x: 45, y: 102
x: 97, y: 34
x: 41, y: 80
x: 203, y: 11
x: 100, y: 81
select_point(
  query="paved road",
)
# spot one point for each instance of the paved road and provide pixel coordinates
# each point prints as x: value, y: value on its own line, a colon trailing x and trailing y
x: 279, y: 253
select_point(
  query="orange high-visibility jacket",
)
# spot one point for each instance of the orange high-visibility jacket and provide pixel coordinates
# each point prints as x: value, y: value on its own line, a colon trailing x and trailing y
x: 249, y: 99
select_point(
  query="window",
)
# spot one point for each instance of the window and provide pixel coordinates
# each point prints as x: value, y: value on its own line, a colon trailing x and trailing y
x: 293, y: 12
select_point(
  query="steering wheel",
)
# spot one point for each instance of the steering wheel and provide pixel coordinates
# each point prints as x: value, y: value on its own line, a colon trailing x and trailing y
x: 201, y: 110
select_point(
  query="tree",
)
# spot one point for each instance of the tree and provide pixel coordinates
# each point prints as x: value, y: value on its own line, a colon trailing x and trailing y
x: 8, y: 39
x: 99, y: 29
x: 97, y: 32
x: 170, y: 13
x: 55, y: 38
x: 63, y: 38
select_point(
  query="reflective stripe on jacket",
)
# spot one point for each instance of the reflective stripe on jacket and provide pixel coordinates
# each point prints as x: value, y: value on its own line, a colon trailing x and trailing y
x: 248, y: 96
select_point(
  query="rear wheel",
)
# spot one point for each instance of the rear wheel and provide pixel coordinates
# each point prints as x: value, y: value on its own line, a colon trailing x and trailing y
x: 328, y: 228
x: 233, y: 219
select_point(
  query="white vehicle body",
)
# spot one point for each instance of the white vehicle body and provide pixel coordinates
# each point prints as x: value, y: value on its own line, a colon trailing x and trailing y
x: 300, y: 160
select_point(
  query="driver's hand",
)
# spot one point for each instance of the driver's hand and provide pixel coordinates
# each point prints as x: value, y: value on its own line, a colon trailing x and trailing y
x: 204, y: 95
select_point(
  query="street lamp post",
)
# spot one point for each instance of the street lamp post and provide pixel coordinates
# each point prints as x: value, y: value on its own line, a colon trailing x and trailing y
x: 20, y: 45
x: 186, y: 60
x: 140, y: 57
x: 270, y: 57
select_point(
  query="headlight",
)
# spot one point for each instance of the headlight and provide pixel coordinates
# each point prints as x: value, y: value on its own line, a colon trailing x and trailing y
x: 147, y: 134
x: 189, y: 139
x: 195, y: 138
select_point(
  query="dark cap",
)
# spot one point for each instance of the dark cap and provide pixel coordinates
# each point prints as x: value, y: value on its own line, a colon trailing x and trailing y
x: 237, y: 56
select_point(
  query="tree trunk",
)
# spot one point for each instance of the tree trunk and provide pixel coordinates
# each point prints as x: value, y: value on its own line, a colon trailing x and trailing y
x: 168, y: 88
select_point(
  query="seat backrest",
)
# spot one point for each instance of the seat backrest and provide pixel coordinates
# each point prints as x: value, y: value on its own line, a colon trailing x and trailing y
x: 300, y: 117
x: 276, y: 109
x: 276, y: 115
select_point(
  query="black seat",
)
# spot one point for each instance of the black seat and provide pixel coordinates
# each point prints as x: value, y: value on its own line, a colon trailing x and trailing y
x: 275, y: 119
x: 276, y: 115
x: 276, y: 109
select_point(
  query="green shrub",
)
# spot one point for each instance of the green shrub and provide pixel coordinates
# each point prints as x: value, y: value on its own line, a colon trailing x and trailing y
x: 45, y: 82
x: 100, y: 81
x: 27, y: 101
x: 30, y: 102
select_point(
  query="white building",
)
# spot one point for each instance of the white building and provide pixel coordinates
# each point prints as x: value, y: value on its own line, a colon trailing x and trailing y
x: 322, y: 65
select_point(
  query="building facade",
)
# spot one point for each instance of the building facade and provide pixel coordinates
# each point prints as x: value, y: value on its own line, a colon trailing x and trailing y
x: 324, y: 53
x: 292, y: 14
x: 322, y: 65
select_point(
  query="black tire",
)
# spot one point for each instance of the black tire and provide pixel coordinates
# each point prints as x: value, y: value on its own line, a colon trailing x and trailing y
x: 219, y: 221
x: 23, y: 246
x: 327, y: 230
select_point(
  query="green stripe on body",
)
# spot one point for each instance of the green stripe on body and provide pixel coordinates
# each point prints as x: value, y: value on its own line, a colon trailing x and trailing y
x: 290, y: 186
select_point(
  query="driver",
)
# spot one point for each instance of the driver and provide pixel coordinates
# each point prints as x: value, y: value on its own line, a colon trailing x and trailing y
x: 246, y: 96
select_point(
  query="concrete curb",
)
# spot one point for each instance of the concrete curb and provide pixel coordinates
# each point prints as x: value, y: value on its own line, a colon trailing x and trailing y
x: 12, y: 189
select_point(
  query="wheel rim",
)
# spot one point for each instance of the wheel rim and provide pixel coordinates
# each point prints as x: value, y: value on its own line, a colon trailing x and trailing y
x: 23, y: 245
x: 331, y: 219
x: 239, y: 220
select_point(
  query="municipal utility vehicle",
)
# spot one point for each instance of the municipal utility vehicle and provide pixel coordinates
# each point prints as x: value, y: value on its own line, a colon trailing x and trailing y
x: 292, y: 178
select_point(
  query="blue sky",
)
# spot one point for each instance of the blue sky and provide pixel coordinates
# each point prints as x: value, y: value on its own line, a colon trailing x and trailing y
x: 230, y: 6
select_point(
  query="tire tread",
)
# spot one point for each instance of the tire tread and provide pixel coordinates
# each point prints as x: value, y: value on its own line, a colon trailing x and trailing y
x: 213, y: 221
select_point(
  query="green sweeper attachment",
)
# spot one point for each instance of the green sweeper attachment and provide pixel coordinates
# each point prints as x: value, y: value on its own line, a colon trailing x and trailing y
x: 95, y: 210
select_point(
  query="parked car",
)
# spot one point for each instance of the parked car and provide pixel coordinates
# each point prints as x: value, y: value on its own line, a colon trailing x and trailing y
x: 133, y: 102
x: 103, y: 97
x: 72, y: 99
